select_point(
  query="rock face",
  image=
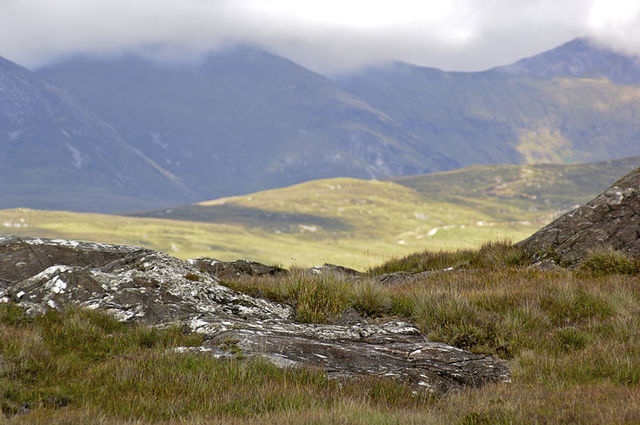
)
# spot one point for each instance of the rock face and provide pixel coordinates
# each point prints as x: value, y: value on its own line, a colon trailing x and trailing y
x: 136, y: 284
x: 612, y: 219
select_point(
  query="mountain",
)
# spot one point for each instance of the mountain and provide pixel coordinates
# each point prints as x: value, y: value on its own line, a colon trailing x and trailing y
x: 562, y: 106
x: 242, y: 120
x: 579, y: 58
x: 56, y: 154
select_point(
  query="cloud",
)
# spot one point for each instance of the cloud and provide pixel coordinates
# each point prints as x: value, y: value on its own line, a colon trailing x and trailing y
x: 325, y: 35
x: 616, y: 23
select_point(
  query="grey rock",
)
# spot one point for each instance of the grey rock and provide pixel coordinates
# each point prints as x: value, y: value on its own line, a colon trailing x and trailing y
x: 402, y: 277
x: 336, y: 271
x: 234, y: 269
x: 136, y: 284
x: 611, y: 219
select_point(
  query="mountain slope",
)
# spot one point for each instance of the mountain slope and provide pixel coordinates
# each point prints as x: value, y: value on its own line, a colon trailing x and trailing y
x: 56, y: 154
x: 561, y: 106
x: 243, y: 120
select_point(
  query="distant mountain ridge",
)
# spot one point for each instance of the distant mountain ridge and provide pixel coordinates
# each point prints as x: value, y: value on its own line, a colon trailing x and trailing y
x: 567, y: 105
x: 242, y: 120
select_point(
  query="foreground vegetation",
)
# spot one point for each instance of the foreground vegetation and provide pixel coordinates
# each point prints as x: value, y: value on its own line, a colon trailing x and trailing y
x: 572, y: 339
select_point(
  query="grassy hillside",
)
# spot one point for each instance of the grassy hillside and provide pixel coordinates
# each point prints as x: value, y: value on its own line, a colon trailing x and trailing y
x: 356, y: 223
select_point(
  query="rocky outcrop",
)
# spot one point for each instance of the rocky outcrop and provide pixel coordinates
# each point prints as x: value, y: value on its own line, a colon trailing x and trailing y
x: 612, y: 220
x: 142, y: 285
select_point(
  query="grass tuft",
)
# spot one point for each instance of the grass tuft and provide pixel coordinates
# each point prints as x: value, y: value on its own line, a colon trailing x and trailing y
x: 606, y: 261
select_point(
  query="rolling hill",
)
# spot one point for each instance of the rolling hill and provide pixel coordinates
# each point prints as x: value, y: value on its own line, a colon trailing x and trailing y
x: 352, y: 222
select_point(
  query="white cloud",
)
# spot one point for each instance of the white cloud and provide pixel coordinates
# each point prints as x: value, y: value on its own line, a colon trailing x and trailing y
x: 326, y: 35
x: 616, y: 23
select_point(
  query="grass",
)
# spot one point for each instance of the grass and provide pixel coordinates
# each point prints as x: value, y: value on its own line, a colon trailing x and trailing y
x: 572, y: 339
x: 232, y: 241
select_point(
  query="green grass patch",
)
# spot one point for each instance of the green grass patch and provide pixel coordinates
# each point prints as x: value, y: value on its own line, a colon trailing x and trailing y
x: 493, y: 254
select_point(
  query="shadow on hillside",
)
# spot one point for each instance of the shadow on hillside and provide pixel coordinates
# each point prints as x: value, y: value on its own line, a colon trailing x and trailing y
x: 250, y: 217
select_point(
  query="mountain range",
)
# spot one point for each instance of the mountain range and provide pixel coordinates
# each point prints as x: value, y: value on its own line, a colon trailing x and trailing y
x: 123, y: 133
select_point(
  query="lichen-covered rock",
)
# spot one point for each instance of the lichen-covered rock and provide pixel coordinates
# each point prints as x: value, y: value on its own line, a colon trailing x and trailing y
x: 233, y: 269
x: 336, y: 271
x: 136, y: 284
x: 129, y: 282
x: 612, y: 219
x: 402, y: 277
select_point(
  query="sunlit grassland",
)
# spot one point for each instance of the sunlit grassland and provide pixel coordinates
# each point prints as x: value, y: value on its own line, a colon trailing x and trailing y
x: 186, y: 239
x: 375, y: 221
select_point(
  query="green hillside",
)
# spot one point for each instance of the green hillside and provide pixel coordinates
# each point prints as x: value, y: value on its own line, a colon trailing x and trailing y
x: 356, y: 223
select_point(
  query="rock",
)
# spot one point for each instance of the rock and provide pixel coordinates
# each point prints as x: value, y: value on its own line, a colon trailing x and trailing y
x: 612, y: 219
x: 398, y: 278
x: 23, y: 258
x: 129, y: 282
x: 336, y: 271
x: 233, y: 269
x: 136, y: 284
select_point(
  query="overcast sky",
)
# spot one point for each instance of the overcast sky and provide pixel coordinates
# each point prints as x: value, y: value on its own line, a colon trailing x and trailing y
x: 325, y: 35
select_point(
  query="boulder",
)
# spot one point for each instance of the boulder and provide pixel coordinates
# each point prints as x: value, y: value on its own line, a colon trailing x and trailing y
x: 142, y: 285
x: 610, y: 220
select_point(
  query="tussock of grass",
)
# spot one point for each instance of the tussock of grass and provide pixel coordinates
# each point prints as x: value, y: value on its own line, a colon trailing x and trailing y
x: 607, y: 261
x: 85, y: 365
